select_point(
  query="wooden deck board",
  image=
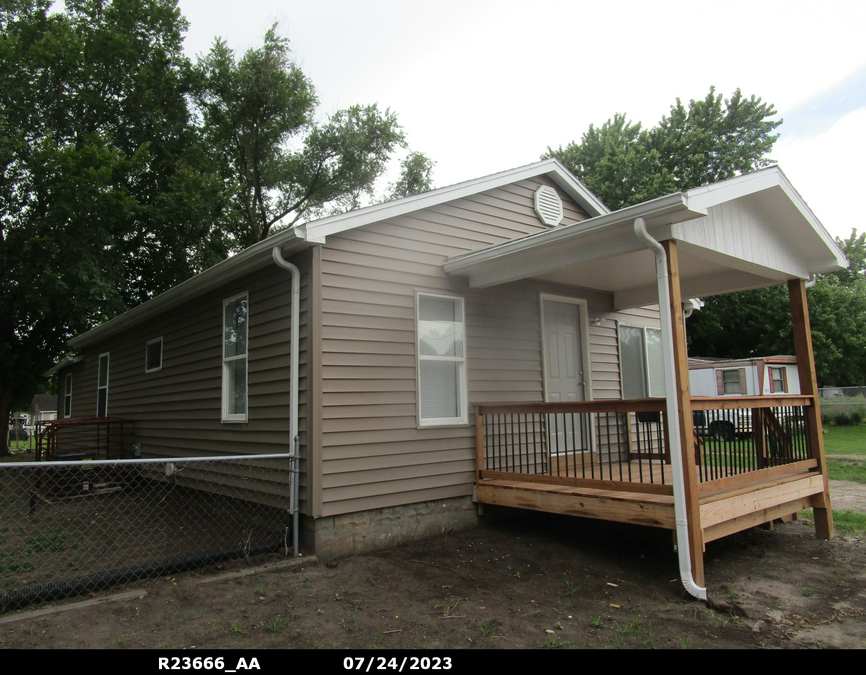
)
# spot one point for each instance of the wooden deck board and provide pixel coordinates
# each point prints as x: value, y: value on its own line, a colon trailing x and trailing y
x: 624, y: 507
x: 722, y: 512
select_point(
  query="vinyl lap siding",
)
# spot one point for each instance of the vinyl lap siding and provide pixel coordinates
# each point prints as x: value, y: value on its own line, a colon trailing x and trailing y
x: 178, y: 410
x: 373, y: 454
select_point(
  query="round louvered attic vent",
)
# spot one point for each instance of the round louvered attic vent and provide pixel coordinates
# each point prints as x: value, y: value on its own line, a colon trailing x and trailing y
x: 548, y: 206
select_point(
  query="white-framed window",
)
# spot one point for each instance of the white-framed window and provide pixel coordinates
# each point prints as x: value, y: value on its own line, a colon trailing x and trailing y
x: 641, y: 361
x: 153, y: 356
x: 67, y: 396
x: 235, y: 336
x: 102, y: 386
x: 441, y: 344
x: 778, y: 380
x: 731, y: 382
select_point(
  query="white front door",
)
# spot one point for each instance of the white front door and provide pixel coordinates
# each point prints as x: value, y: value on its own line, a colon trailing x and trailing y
x: 563, y: 370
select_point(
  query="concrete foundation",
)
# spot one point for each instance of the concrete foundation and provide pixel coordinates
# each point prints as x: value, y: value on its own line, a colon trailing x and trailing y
x: 364, y: 531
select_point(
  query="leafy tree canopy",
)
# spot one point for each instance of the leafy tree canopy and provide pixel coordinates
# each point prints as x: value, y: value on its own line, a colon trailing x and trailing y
x: 758, y: 322
x: 280, y: 165
x: 103, y: 196
x: 125, y: 169
x: 710, y: 140
x: 416, y: 176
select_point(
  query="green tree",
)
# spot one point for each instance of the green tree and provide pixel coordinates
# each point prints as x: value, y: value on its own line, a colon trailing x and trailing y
x: 758, y: 322
x: 710, y: 140
x: 103, y: 197
x: 616, y: 161
x: 279, y: 165
x: 416, y: 176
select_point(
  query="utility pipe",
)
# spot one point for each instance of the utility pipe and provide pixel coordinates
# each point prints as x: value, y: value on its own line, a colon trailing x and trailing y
x: 671, y: 399
x: 294, y: 437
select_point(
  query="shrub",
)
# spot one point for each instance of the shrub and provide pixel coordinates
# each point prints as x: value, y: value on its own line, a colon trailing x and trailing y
x: 844, y: 411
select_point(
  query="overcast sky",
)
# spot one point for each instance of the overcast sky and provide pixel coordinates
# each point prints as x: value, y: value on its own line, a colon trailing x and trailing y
x: 482, y: 86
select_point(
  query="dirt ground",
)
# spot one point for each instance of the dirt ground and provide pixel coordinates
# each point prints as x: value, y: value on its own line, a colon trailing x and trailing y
x: 522, y: 580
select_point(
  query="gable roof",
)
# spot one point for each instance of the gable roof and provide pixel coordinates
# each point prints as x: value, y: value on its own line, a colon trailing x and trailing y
x: 316, y: 232
x: 747, y: 232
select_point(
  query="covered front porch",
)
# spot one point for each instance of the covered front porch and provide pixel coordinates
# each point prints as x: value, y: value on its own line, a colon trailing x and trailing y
x: 651, y: 461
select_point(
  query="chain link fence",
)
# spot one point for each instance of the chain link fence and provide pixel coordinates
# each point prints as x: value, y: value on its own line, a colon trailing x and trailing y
x: 73, y: 527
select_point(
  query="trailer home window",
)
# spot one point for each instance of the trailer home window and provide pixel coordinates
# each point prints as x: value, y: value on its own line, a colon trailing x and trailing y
x: 778, y: 381
x: 235, y: 335
x: 441, y: 361
x: 731, y: 382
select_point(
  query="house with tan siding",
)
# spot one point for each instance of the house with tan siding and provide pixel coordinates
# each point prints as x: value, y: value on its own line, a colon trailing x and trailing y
x: 498, y: 341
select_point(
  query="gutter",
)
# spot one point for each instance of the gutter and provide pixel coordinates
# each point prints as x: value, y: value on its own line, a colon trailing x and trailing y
x: 294, y: 443
x: 677, y: 467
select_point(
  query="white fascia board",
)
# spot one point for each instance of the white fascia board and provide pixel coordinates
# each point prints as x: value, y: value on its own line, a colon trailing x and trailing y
x: 317, y: 230
x: 669, y: 209
x: 255, y: 257
x: 68, y: 361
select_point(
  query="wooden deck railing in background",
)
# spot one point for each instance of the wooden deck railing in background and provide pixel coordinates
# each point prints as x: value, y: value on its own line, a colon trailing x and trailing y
x: 84, y: 438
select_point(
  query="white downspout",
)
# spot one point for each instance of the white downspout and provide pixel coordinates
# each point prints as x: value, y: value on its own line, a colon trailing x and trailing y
x: 671, y: 399
x: 277, y: 254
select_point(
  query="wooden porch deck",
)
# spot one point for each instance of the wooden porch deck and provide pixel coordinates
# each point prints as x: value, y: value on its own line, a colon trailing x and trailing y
x: 727, y: 505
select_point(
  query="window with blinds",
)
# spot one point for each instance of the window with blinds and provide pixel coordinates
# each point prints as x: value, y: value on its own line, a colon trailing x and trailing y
x: 441, y: 361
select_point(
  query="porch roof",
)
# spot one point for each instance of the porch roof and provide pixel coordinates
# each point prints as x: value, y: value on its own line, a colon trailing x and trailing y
x: 748, y: 232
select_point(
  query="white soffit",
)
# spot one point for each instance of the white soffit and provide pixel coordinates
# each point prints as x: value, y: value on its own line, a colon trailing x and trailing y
x: 673, y: 216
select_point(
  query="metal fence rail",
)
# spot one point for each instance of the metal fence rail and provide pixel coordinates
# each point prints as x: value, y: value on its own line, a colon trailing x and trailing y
x: 72, y: 527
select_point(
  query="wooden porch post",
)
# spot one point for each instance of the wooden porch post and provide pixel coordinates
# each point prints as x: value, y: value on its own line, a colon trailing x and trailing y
x: 809, y: 387
x: 687, y: 432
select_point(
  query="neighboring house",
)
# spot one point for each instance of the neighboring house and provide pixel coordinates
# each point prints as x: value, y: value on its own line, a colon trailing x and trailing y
x: 43, y: 407
x: 758, y: 376
x: 516, y: 287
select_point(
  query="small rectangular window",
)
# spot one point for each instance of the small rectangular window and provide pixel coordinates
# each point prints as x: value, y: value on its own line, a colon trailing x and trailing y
x: 731, y: 382
x: 102, y: 386
x: 778, y: 381
x: 153, y: 356
x: 441, y: 361
x: 67, y: 396
x: 235, y: 336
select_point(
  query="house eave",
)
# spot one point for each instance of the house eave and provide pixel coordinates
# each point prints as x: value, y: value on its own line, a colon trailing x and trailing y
x: 245, y: 262
x: 658, y: 212
x: 318, y: 230
x: 68, y: 361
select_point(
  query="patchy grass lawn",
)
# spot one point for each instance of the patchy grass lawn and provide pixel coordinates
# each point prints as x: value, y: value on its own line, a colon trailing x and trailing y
x: 845, y: 440
x: 849, y: 522
x: 847, y: 468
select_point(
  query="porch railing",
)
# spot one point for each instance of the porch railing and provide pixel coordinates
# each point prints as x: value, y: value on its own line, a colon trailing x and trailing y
x: 741, y: 435
x: 623, y: 444
x: 618, y: 444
